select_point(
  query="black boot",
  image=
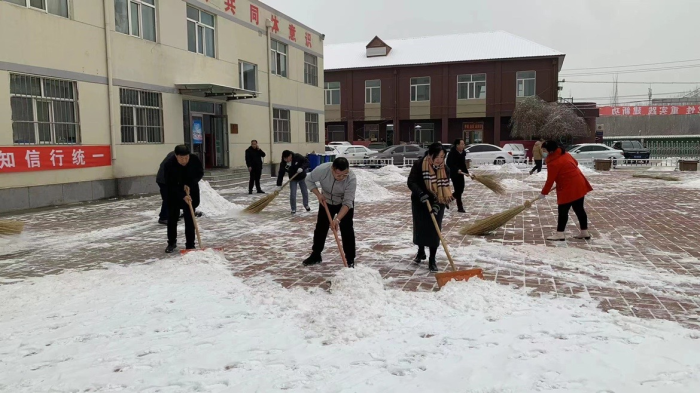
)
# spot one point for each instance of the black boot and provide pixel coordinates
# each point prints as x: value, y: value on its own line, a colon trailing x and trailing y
x: 432, y: 265
x: 351, y: 263
x: 420, y: 256
x: 460, y: 206
x: 314, y: 259
x: 170, y: 249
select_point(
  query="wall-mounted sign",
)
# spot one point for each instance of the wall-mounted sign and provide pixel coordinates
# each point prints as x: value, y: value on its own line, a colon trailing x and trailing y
x: 197, y: 137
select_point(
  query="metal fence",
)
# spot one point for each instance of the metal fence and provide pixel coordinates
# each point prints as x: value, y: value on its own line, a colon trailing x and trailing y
x: 370, y: 162
x: 666, y: 147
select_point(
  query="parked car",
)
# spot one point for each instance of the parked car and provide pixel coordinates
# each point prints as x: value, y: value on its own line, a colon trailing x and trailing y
x: 484, y: 152
x: 354, y: 151
x: 632, y: 150
x: 331, y: 150
x: 339, y: 143
x: 517, y: 150
x: 399, y: 152
x: 377, y: 146
x: 595, y: 151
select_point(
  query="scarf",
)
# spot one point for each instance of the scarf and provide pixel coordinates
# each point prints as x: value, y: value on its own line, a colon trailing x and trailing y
x: 436, y: 181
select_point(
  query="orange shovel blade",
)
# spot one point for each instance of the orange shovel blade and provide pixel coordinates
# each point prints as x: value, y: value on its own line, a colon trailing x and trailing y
x: 183, y: 252
x: 461, y: 275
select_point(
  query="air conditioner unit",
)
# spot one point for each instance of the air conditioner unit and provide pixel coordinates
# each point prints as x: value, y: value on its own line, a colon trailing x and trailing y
x: 600, y: 127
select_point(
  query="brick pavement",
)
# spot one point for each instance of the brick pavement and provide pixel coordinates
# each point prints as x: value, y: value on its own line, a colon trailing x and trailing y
x: 646, y: 226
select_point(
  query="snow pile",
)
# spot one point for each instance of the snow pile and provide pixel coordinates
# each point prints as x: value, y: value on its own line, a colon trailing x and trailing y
x: 694, y: 184
x: 212, y: 204
x: 510, y: 168
x: 392, y: 174
x: 367, y: 188
x: 587, y: 171
x: 538, y: 177
x: 185, y: 325
x: 514, y: 185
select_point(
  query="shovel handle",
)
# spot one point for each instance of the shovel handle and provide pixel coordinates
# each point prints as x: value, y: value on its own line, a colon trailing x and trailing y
x: 335, y: 233
x: 442, y: 239
x: 194, y: 218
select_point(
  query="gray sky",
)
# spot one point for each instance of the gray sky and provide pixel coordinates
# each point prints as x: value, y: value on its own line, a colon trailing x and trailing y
x: 592, y: 33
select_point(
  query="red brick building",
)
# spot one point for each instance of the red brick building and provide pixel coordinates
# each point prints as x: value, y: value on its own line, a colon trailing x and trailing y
x: 456, y: 86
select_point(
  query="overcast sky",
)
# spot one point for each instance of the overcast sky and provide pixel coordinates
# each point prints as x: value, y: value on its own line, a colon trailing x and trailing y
x: 592, y: 33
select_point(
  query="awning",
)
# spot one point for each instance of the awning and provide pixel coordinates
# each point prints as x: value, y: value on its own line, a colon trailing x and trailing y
x: 210, y: 90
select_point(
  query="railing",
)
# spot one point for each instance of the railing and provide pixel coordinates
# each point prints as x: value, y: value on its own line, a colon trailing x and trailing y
x: 371, y: 162
x: 409, y: 161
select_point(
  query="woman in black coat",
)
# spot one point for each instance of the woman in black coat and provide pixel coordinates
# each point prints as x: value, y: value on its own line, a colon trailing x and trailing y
x: 429, y: 181
x: 457, y: 164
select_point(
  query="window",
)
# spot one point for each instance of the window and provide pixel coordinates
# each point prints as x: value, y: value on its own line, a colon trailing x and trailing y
x: 373, y: 92
x: 136, y: 18
x: 526, y: 83
x: 248, y: 74
x: 280, y: 122
x: 471, y: 87
x: 44, y: 111
x: 200, y: 32
x: 279, y: 58
x: 54, y: 7
x: 141, y: 116
x: 311, y: 128
x: 420, y: 89
x: 310, y: 69
x: 399, y: 150
x: 412, y: 149
x: 336, y: 133
x: 332, y: 93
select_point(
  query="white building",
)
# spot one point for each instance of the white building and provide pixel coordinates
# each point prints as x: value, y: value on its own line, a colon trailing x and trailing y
x: 95, y: 93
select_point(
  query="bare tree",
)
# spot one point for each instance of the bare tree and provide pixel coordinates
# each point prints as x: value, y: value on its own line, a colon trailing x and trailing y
x: 535, y: 117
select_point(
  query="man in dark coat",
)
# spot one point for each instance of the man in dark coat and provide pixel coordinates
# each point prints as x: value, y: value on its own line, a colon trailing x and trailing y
x: 457, y: 164
x: 182, y: 172
x: 294, y: 164
x: 254, y: 161
x: 160, y: 179
x: 429, y: 170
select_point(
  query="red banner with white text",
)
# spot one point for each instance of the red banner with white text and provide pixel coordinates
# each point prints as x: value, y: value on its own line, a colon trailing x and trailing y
x: 46, y: 158
x: 667, y: 110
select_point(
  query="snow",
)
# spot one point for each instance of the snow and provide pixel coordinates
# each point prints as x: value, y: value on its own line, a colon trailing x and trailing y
x: 514, y: 185
x: 588, y: 171
x: 367, y: 188
x: 185, y: 324
x: 694, y: 183
x: 213, y: 204
x: 506, y: 168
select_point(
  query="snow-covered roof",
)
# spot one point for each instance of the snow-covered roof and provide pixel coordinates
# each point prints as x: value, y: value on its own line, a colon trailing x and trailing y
x: 437, y: 49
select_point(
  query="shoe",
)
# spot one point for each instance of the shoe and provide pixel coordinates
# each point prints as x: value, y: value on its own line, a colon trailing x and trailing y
x: 583, y: 235
x: 351, y: 263
x: 190, y: 248
x: 557, y: 237
x: 314, y: 259
x: 163, y: 222
x: 461, y: 211
x: 308, y: 209
x: 250, y: 192
x: 294, y: 212
x: 170, y: 249
x: 198, y: 214
x: 420, y: 257
x: 432, y: 265
x: 261, y: 192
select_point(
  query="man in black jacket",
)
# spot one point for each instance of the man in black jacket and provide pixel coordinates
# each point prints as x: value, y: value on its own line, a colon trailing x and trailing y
x: 160, y: 179
x: 457, y: 163
x: 254, y: 161
x: 182, y: 171
x: 294, y: 164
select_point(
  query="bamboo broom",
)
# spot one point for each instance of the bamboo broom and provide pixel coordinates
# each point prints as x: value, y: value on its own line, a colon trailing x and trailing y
x: 259, y: 205
x: 491, y: 183
x: 8, y: 227
x: 495, y: 221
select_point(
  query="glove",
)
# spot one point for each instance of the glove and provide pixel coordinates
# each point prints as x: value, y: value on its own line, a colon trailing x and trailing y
x: 542, y: 196
x: 424, y: 197
x: 436, y: 209
x: 300, y: 170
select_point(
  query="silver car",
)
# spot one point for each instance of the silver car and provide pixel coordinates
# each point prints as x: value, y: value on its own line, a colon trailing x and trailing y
x: 595, y: 151
x: 399, y: 152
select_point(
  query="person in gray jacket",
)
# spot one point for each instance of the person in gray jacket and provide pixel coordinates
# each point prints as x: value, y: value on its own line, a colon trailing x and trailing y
x: 337, y: 191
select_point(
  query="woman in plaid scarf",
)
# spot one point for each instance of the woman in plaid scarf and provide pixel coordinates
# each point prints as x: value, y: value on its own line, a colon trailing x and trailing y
x: 429, y: 181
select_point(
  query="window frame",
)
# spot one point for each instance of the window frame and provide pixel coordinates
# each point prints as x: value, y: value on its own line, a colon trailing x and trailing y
x: 134, y: 112
x: 328, y: 93
x: 197, y: 25
x: 27, y: 4
x: 369, y: 90
x: 471, y: 86
x: 277, y: 56
x: 311, y: 130
x: 278, y: 121
x: 51, y: 111
x: 241, y: 63
x: 310, y: 70
x: 129, y: 18
x: 416, y: 85
x: 519, y: 79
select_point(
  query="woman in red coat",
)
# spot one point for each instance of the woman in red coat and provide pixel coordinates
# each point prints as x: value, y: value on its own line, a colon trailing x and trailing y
x: 572, y: 188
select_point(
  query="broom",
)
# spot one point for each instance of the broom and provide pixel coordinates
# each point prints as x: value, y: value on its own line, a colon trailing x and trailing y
x: 494, y: 222
x: 8, y: 227
x: 490, y: 182
x: 259, y: 205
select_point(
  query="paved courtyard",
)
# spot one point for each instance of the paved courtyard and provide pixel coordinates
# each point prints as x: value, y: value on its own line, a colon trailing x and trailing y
x: 643, y: 260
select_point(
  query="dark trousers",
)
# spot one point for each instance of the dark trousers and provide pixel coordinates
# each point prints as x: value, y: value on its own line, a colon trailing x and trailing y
x: 163, y: 215
x: 580, y: 213
x: 347, y: 231
x: 255, y: 175
x: 173, y: 215
x: 458, y: 183
x: 538, y: 166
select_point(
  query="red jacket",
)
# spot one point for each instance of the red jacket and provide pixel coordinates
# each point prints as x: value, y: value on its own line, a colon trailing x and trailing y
x: 563, y: 170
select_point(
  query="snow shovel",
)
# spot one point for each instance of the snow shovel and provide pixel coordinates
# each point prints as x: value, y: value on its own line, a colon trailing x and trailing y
x: 335, y: 233
x: 457, y: 275
x: 196, y: 228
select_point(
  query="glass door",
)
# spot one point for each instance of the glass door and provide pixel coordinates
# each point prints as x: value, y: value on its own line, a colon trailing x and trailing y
x: 220, y: 148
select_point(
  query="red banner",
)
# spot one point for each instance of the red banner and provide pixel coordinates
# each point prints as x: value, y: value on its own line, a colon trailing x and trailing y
x: 667, y: 110
x: 472, y: 126
x: 46, y: 158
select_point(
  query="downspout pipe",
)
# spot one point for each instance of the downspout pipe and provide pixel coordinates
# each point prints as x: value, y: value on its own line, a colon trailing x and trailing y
x: 268, y: 28
x: 109, y: 27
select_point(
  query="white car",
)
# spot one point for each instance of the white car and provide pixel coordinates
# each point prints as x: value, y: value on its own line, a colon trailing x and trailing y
x: 331, y: 150
x: 517, y: 150
x: 354, y: 151
x: 595, y: 151
x: 482, y: 153
x: 340, y: 143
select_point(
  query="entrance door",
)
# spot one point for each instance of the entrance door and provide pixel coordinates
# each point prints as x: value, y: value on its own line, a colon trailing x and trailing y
x: 219, y: 145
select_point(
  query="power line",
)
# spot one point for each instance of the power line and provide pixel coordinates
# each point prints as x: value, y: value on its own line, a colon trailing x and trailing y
x: 632, y: 65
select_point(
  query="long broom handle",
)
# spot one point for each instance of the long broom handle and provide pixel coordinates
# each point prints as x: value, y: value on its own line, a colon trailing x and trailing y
x: 335, y: 233
x: 442, y: 239
x: 194, y: 218
x: 290, y: 179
